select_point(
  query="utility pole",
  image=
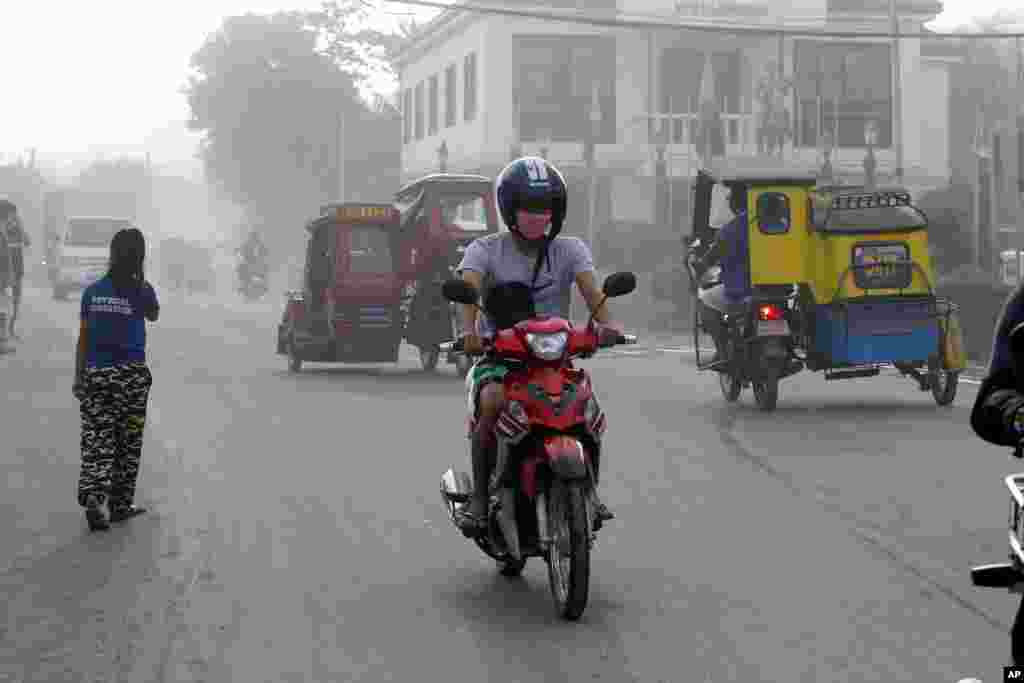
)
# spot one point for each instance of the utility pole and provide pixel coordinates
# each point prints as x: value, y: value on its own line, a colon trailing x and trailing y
x: 1018, y: 116
x: 897, y: 99
x: 341, y: 152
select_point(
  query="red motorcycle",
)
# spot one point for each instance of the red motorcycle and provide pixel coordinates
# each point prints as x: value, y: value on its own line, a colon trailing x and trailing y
x: 548, y: 441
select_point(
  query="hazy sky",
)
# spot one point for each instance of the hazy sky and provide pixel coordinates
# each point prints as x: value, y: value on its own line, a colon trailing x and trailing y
x: 105, y: 73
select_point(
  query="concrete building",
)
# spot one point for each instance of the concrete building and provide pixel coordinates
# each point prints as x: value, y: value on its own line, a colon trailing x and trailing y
x: 478, y: 89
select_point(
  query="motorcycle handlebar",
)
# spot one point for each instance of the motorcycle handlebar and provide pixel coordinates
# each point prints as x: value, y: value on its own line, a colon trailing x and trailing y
x: 458, y: 346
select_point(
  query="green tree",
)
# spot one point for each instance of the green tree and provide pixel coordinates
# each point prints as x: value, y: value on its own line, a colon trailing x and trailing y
x: 121, y: 187
x: 115, y: 175
x: 270, y: 94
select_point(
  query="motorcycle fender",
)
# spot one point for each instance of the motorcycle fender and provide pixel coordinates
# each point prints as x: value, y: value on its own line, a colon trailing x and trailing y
x: 566, y: 457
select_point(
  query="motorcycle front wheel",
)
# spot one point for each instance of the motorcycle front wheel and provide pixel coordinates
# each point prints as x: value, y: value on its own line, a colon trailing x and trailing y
x: 1017, y: 636
x: 569, y: 554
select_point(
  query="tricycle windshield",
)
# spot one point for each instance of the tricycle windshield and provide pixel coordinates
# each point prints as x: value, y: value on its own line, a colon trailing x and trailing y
x: 467, y: 212
x: 370, y: 251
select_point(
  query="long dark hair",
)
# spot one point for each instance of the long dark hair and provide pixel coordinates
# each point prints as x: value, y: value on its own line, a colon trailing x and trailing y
x: 127, y: 254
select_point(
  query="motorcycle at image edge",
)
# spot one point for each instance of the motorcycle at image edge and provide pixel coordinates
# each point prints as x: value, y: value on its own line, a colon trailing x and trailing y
x: 1010, y: 575
x: 549, y: 436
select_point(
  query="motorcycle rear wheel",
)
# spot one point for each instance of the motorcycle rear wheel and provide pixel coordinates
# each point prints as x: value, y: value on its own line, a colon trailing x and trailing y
x: 569, y: 554
x: 294, y: 361
x: 731, y: 386
x: 429, y: 358
x: 766, y: 394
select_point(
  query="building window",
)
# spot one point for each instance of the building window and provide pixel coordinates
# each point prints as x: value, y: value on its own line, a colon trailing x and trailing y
x: 558, y: 77
x: 419, y: 111
x: 682, y: 70
x: 840, y: 89
x: 433, y: 106
x: 407, y: 115
x: 681, y: 74
x: 469, y: 77
x: 450, y: 114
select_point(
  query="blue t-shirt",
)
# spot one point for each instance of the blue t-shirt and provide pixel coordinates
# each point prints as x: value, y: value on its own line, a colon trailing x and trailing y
x: 735, y: 261
x: 117, y: 328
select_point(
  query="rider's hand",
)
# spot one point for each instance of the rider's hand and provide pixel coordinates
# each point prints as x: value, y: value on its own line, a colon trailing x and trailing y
x: 608, y: 334
x: 472, y: 344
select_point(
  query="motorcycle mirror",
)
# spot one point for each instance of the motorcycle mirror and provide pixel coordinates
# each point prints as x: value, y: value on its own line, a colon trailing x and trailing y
x: 460, y: 292
x: 619, y: 284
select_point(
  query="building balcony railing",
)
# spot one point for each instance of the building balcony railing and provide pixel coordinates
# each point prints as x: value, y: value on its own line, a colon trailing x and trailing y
x: 738, y: 130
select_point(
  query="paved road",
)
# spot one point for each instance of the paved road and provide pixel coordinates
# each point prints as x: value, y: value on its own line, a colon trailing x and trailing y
x: 297, y: 533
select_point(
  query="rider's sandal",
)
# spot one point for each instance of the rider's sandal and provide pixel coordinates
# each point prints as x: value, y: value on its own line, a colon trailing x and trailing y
x: 470, y: 525
x: 601, y: 515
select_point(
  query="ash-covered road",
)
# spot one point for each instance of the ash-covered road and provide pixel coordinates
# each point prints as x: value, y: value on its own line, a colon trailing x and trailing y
x: 296, y: 532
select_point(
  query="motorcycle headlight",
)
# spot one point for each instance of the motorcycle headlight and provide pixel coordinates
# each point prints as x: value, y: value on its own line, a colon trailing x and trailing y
x: 548, y: 346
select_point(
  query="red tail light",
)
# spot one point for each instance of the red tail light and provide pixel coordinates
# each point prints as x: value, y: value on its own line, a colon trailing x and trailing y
x: 769, y: 312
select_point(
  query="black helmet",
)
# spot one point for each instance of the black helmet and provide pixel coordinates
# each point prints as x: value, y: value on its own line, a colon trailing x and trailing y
x: 532, y: 183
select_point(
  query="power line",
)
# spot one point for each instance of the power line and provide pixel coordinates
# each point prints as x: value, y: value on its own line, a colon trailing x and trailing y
x: 668, y: 23
x: 375, y: 8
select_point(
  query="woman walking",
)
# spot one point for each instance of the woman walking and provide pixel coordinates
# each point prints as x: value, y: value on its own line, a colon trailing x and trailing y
x: 112, y: 381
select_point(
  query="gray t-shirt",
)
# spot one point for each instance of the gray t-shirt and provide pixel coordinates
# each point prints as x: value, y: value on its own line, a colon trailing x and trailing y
x: 501, y: 262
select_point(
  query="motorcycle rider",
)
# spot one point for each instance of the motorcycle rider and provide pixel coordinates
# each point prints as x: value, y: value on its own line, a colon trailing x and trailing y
x: 731, y: 252
x: 997, y: 416
x: 254, y: 256
x: 532, y: 197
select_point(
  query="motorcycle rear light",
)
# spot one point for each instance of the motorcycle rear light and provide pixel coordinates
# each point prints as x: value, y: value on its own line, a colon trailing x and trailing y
x: 769, y: 312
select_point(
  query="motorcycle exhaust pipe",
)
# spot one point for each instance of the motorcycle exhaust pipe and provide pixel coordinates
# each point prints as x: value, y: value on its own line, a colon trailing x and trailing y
x: 1002, y: 575
x: 455, y: 492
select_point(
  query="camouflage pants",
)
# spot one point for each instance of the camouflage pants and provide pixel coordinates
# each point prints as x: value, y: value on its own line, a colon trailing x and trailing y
x: 113, y: 419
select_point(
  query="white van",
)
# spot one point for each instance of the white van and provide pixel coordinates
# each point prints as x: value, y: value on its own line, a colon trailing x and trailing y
x: 83, y: 251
